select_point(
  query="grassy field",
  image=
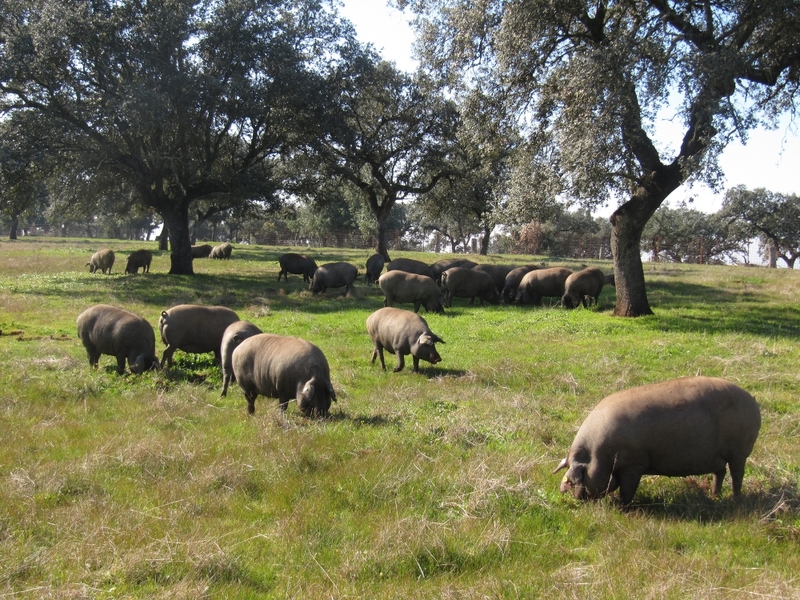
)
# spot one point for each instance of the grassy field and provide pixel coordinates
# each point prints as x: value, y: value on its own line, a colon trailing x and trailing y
x: 431, y: 485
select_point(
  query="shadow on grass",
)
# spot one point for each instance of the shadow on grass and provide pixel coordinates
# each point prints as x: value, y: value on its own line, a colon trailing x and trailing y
x: 694, y: 503
x: 362, y: 420
x: 438, y: 372
x: 680, y: 306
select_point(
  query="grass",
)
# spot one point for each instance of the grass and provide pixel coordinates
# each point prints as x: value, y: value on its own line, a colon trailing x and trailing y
x: 434, y: 485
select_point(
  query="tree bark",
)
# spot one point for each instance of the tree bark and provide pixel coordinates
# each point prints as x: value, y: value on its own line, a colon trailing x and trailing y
x: 628, y: 223
x: 12, y: 232
x: 177, y: 223
x: 163, y: 239
x: 381, y: 212
x: 487, y: 233
x: 383, y: 245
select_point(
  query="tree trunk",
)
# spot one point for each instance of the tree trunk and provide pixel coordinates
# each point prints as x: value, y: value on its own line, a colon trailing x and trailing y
x: 628, y: 222
x: 163, y: 238
x: 381, y: 213
x: 773, y: 255
x: 383, y: 244
x: 177, y: 223
x: 12, y: 232
x: 487, y: 236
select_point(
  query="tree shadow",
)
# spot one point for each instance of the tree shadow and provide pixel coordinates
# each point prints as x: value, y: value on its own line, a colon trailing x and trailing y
x: 761, y: 317
x: 694, y: 503
x: 363, y: 420
x: 441, y: 373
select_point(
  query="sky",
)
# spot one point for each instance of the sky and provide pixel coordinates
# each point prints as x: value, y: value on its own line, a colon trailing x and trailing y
x: 770, y: 159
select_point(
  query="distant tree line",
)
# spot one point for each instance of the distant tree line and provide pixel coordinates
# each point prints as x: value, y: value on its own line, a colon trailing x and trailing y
x: 768, y: 220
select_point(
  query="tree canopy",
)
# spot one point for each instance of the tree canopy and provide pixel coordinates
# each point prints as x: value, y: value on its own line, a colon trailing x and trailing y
x: 176, y: 100
x: 589, y: 81
x: 386, y: 134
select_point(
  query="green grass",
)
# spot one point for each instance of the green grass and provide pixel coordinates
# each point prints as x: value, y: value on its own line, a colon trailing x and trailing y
x: 431, y: 485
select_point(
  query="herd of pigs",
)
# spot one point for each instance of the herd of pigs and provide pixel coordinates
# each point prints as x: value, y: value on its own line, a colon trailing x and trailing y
x: 103, y: 260
x: 680, y: 427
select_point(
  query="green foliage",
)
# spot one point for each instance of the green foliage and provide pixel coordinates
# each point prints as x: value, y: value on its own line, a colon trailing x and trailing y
x: 773, y: 218
x: 589, y: 83
x: 174, y: 101
x: 470, y: 201
x: 685, y: 235
x: 386, y: 136
x: 419, y: 485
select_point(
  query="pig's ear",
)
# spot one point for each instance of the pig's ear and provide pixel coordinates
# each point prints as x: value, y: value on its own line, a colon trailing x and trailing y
x: 437, y: 339
x: 425, y: 340
x: 562, y: 465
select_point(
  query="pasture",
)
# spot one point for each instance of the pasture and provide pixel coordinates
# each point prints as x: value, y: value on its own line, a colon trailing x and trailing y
x: 430, y: 485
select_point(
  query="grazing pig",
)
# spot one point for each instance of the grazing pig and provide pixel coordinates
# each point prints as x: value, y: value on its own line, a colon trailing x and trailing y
x: 201, y: 251
x: 459, y: 282
x: 234, y: 335
x: 402, y: 332
x: 222, y: 252
x: 195, y: 329
x: 440, y: 266
x: 399, y: 286
x: 334, y: 275
x: 541, y: 283
x: 105, y: 329
x: 101, y: 260
x: 581, y: 286
x: 688, y: 426
x: 296, y: 264
x: 512, y: 281
x: 410, y: 265
x: 496, y: 272
x: 374, y: 267
x: 139, y: 259
x: 284, y: 368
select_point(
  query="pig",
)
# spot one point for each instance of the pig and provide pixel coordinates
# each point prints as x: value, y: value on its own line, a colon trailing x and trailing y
x: 105, y: 329
x: 410, y: 265
x: 496, y: 272
x: 402, y: 332
x: 399, y: 286
x: 374, y: 267
x: 582, y: 286
x: 285, y: 368
x: 333, y: 275
x: 234, y: 335
x: 681, y: 427
x: 222, y: 252
x: 610, y: 280
x: 296, y: 264
x: 195, y: 329
x: 139, y: 259
x: 512, y: 281
x: 201, y: 251
x: 540, y: 283
x: 440, y: 266
x: 458, y: 282
x: 101, y: 260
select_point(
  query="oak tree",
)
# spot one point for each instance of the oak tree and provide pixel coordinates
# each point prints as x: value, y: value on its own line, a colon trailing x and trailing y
x: 591, y: 79
x: 178, y: 100
x: 772, y: 217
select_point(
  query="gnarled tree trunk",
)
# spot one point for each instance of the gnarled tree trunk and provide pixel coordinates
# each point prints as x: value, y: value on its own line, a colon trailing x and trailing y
x: 177, y: 224
x: 628, y: 223
x: 383, y: 243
